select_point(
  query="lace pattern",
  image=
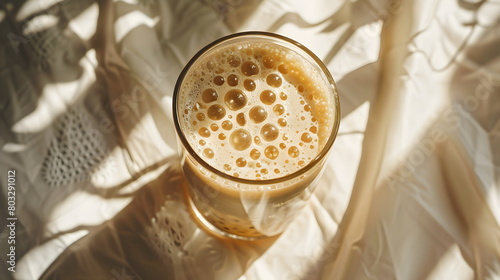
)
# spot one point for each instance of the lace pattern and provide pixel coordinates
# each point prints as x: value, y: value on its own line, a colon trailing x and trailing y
x: 77, y: 152
x: 169, y: 231
x: 176, y: 239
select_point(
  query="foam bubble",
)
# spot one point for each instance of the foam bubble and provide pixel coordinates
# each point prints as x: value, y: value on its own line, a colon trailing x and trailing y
x: 268, y: 62
x: 293, y: 152
x: 271, y: 152
x: 267, y: 97
x: 258, y: 114
x: 241, y: 162
x: 209, y: 153
x: 233, y: 60
x: 227, y: 125
x: 219, y: 80
x: 204, y: 132
x: 232, y: 80
x: 283, y: 69
x: 240, y: 139
x: 200, y: 116
x: 279, y: 109
x: 235, y: 99
x: 249, y: 84
x: 240, y: 119
x: 216, y: 112
x: 255, y: 154
x: 306, y: 137
x: 274, y: 80
x: 282, y: 122
x: 249, y: 68
x: 269, y: 132
x: 209, y: 95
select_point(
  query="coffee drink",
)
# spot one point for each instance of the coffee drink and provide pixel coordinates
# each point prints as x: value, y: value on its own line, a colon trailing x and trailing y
x: 255, y: 112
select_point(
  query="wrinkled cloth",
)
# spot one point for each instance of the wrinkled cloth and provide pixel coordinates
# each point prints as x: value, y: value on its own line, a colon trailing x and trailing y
x: 411, y: 189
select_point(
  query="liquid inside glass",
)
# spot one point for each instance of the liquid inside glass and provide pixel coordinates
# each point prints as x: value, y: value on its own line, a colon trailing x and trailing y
x: 257, y: 116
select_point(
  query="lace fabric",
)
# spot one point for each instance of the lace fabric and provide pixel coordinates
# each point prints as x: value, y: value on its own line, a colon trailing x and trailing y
x: 75, y: 153
x: 170, y: 230
x: 176, y: 240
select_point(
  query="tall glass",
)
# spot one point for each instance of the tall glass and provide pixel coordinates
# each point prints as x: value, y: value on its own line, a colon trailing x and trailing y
x: 256, y: 114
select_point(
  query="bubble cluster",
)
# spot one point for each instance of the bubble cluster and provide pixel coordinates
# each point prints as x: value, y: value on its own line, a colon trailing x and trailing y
x: 253, y: 111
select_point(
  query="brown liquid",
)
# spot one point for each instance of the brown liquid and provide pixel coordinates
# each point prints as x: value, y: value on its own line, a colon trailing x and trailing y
x: 273, y: 114
x: 274, y: 100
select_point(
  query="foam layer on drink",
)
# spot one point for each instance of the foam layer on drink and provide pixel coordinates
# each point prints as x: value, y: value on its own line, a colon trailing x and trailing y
x: 256, y: 110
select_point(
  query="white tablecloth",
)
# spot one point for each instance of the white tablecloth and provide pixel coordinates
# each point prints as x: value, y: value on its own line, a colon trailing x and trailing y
x: 411, y: 189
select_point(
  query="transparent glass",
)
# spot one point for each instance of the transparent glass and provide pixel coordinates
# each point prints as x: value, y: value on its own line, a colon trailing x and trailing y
x: 249, y: 207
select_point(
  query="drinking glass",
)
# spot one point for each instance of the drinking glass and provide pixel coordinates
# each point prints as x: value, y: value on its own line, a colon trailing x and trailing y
x: 249, y: 165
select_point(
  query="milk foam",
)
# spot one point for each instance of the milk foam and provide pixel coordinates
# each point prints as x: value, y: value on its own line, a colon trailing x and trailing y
x: 255, y: 110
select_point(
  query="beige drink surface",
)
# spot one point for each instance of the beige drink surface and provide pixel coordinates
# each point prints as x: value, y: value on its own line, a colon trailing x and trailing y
x: 256, y: 110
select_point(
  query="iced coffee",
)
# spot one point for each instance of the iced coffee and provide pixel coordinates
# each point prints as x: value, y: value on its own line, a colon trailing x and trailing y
x: 256, y: 114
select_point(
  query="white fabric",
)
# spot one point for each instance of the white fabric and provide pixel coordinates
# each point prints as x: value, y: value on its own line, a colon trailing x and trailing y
x: 411, y: 189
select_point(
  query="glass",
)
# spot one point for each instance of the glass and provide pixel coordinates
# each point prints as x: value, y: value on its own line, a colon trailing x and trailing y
x: 256, y: 114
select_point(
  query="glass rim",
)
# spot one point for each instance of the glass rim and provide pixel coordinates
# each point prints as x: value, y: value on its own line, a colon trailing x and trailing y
x: 263, y: 35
